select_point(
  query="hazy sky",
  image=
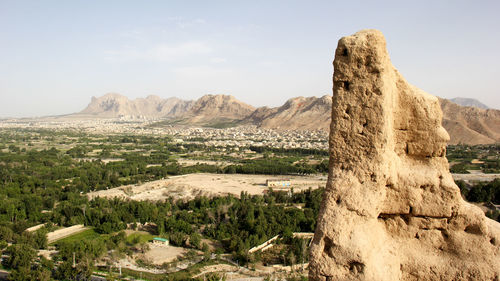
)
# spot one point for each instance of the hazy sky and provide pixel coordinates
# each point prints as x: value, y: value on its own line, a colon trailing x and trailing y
x: 55, y: 55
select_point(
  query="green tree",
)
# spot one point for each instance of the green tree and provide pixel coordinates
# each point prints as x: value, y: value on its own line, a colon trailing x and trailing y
x: 195, y: 240
x: 20, y: 255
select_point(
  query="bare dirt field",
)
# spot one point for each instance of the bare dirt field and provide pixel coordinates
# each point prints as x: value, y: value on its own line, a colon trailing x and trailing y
x: 194, y: 185
x: 476, y: 176
x: 129, y: 263
x: 159, y: 254
x: 219, y: 268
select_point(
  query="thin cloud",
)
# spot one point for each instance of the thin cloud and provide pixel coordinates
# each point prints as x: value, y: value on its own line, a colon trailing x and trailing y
x: 268, y: 64
x: 161, y: 52
x: 184, y: 23
x: 202, y: 71
x: 169, y: 52
x: 134, y: 34
x: 218, y: 60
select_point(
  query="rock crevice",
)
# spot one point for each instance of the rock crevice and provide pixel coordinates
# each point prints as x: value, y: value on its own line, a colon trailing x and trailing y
x: 391, y: 209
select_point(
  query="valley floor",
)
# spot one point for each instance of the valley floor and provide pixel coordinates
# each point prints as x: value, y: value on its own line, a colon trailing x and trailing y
x: 193, y: 185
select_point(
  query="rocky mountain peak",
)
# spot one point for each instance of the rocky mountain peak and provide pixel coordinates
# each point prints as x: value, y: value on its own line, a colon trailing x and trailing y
x: 115, y: 105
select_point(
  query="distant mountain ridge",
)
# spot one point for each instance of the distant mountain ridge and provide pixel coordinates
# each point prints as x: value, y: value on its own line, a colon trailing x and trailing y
x: 216, y: 108
x: 304, y: 113
x: 465, y: 124
x: 469, y: 124
x: 116, y: 105
x: 469, y: 102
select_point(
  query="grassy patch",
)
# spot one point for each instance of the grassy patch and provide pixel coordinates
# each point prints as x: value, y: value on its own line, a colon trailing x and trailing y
x: 88, y: 234
x: 137, y: 237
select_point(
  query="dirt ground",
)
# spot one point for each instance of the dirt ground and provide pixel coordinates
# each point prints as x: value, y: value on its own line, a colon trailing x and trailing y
x: 130, y: 231
x: 35, y: 228
x: 130, y: 264
x: 219, y: 268
x: 47, y: 253
x: 159, y: 254
x: 212, y: 245
x: 476, y: 176
x: 194, y: 185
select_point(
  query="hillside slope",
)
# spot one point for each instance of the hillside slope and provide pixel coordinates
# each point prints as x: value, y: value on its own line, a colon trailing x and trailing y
x: 115, y: 105
x: 300, y: 113
x: 217, y: 108
x: 470, y: 125
x: 469, y: 102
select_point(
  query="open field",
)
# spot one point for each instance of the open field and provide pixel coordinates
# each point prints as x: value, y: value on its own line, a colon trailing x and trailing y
x: 193, y: 185
x: 86, y: 234
x: 159, y: 254
x: 64, y: 232
x: 138, y: 236
x: 476, y: 177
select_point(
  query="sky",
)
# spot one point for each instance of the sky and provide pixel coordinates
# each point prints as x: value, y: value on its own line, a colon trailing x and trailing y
x: 56, y: 55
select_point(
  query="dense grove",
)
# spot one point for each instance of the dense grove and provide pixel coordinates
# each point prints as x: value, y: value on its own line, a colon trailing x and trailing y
x: 43, y: 183
x: 237, y: 223
x: 488, y: 192
x: 44, y: 177
x: 34, y: 179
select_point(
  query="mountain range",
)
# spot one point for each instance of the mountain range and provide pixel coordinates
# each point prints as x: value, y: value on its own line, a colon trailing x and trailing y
x: 470, y: 124
x: 115, y: 105
x: 465, y: 124
x: 469, y: 102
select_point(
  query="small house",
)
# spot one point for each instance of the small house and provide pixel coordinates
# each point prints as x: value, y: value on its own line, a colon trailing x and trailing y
x: 160, y: 241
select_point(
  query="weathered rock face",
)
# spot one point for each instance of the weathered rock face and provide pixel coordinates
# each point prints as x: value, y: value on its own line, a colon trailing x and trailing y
x: 391, y: 209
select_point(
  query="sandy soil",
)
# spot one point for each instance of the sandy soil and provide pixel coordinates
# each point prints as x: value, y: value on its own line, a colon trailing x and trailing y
x: 477, y: 176
x: 130, y: 264
x: 35, y: 228
x: 130, y: 231
x: 476, y: 161
x: 194, y: 185
x: 159, y: 254
x: 109, y: 160
x: 64, y: 232
x: 219, y: 268
x: 47, y: 253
